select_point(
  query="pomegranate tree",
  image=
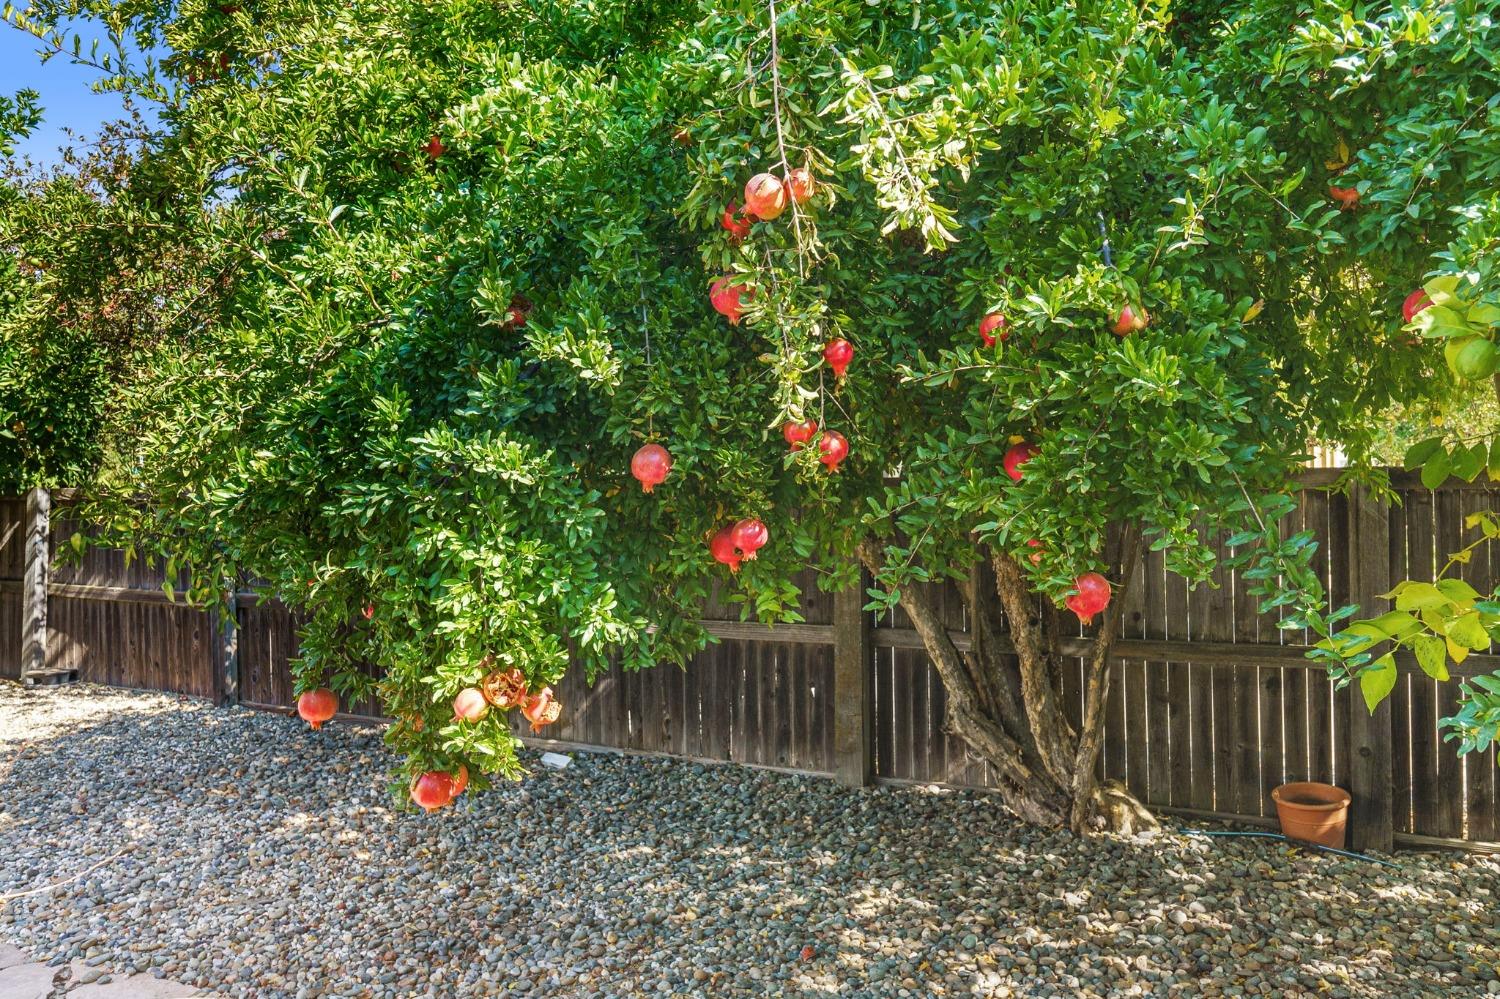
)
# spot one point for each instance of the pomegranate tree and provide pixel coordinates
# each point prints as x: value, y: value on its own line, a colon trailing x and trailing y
x: 416, y: 376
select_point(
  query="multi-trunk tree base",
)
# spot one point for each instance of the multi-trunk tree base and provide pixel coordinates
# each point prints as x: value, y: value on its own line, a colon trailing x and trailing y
x: 1004, y: 692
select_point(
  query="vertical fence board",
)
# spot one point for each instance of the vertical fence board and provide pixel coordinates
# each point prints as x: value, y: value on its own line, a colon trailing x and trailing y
x: 1448, y: 820
x: 1401, y: 719
x: 1420, y: 548
x: 1482, y: 572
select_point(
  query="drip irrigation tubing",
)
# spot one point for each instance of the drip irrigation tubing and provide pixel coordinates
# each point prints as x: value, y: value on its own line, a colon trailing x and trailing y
x: 1297, y: 842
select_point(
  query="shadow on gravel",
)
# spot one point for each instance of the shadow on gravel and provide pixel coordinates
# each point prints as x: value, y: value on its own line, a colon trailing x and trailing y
x: 240, y: 851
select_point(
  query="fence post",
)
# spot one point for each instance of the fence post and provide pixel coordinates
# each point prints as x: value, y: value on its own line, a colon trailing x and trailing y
x: 227, y: 647
x: 1373, y: 816
x: 853, y: 688
x: 34, y: 583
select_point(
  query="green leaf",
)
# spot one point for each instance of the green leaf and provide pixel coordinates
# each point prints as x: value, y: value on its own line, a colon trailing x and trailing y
x: 1431, y: 656
x: 1418, y: 596
x: 1377, y: 680
x: 1418, y: 453
x: 1469, y: 462
x: 1458, y: 591
x: 1468, y: 630
x: 1396, y: 624
x: 1435, y: 472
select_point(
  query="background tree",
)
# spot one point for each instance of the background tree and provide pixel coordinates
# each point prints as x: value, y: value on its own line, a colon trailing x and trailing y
x: 473, y: 247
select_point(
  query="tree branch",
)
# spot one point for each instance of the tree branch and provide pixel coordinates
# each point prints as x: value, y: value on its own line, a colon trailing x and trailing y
x: 1096, y: 686
x: 1049, y: 726
x: 966, y: 715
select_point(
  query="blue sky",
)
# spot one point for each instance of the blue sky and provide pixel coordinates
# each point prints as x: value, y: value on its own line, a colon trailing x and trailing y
x: 66, y: 97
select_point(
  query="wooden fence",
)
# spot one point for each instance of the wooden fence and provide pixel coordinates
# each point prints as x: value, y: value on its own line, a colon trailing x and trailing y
x: 1210, y: 705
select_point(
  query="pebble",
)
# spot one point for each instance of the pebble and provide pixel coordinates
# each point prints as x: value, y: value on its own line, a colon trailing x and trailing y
x: 248, y: 856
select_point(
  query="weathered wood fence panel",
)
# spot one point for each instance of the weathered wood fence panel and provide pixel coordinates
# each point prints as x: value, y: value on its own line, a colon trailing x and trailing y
x: 12, y: 569
x: 1210, y: 705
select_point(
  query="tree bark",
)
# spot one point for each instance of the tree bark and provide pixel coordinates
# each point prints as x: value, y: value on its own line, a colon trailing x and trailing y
x: 1096, y: 687
x: 1039, y: 669
x: 1004, y: 693
x: 1028, y: 792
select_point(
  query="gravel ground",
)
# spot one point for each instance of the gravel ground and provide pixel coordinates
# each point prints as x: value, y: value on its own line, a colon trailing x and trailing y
x: 240, y: 852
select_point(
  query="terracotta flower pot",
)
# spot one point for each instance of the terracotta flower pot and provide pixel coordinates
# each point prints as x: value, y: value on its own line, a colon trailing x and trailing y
x: 1313, y: 812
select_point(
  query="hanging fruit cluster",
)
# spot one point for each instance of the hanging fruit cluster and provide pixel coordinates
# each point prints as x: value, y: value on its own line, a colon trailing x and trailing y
x: 766, y: 198
x: 739, y: 542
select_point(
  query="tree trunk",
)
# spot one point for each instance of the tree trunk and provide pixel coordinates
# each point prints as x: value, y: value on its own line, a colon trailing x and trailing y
x: 1004, y: 692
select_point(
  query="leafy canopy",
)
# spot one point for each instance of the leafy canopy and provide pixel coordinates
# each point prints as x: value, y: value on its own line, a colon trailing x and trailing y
x: 342, y: 404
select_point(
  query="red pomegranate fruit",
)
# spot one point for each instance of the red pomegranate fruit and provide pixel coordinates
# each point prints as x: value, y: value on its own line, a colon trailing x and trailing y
x: 651, y: 466
x: 738, y: 226
x: 749, y: 536
x: 460, y: 780
x: 1131, y: 320
x: 798, y: 433
x: 541, y: 709
x: 1347, y: 197
x: 765, y: 196
x: 1018, y: 455
x: 1090, y: 596
x: 838, y: 353
x: 434, y: 148
x: 1036, y: 555
x: 317, y: 706
x: 832, y: 449
x: 1414, y: 304
x: 470, y: 705
x: 725, y: 297
x: 504, y: 689
x: 799, y: 185
x: 432, y: 790
x: 988, y: 326
x: 721, y: 546
x: 517, y: 311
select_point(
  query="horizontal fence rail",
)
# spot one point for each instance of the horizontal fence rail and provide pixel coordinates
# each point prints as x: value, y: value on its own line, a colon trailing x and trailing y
x: 1210, y: 704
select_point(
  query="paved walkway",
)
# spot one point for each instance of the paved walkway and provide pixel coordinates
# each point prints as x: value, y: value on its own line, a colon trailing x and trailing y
x: 23, y: 978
